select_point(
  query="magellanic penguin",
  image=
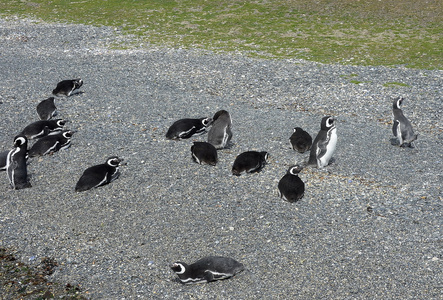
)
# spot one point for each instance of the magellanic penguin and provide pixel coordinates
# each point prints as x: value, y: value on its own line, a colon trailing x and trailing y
x: 249, y: 162
x: 185, y: 128
x: 204, y: 153
x: 301, y: 141
x: 290, y: 187
x: 401, y: 127
x: 99, y: 175
x: 42, y: 128
x: 16, y: 164
x: 220, y: 133
x: 51, y: 143
x: 67, y: 87
x: 46, y: 109
x: 324, y: 144
x: 3, y: 159
x: 207, y: 269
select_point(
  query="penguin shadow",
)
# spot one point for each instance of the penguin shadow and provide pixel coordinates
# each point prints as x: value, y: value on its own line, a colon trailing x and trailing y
x: 76, y: 93
x: 395, y: 142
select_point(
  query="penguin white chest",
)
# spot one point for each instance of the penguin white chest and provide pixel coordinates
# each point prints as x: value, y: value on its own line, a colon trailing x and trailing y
x: 330, y: 148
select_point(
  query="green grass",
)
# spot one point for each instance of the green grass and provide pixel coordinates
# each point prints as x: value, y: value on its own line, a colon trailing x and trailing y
x: 396, y: 84
x: 371, y: 32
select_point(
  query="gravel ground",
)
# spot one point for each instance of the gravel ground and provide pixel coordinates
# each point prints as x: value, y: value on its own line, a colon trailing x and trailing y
x: 368, y: 227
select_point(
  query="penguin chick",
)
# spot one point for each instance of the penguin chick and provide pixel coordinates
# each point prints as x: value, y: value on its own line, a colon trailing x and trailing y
x: 42, y: 128
x: 220, y: 133
x: 185, y: 128
x: 16, y: 167
x: 99, y: 175
x: 324, y: 144
x: 203, y: 152
x: 207, y: 269
x: 290, y: 187
x: 301, y: 141
x: 67, y: 87
x: 401, y: 127
x: 46, y: 109
x: 51, y: 143
x: 249, y: 162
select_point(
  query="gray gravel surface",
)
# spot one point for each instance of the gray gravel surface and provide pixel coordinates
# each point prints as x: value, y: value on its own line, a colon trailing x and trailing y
x: 369, y: 226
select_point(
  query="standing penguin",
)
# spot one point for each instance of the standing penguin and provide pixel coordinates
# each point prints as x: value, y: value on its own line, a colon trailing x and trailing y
x: 249, y: 162
x: 203, y: 152
x: 301, y: 141
x: 51, y: 143
x: 401, y: 127
x: 324, y: 144
x: 220, y: 133
x: 42, y: 128
x: 185, y: 128
x: 99, y: 175
x: 46, y: 109
x: 16, y: 164
x: 67, y: 87
x: 291, y: 187
x: 207, y: 269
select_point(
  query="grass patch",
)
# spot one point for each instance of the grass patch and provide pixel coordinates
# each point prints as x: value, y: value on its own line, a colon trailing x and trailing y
x: 396, y: 84
x: 372, y: 32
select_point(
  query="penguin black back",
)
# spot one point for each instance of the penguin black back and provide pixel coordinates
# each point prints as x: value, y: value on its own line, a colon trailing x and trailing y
x: 301, y: 141
x: 249, y: 162
x: 291, y: 187
x: 42, y: 128
x: 67, y: 87
x: 51, y: 143
x: 207, y: 269
x: 99, y: 175
x: 46, y: 109
x: 16, y: 167
x: 185, y: 128
x: 3, y: 159
x: 203, y: 152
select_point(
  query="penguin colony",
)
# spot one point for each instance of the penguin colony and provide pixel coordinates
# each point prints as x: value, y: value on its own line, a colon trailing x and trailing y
x: 50, y: 136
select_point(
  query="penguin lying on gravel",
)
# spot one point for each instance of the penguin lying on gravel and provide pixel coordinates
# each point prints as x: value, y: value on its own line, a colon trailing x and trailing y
x: 185, y: 128
x: 204, y: 153
x: 67, y: 87
x: 99, y: 175
x: 3, y: 157
x: 301, y: 141
x: 46, y: 109
x: 290, y: 187
x: 401, y: 127
x: 207, y: 269
x: 16, y: 167
x: 249, y: 162
x: 51, y: 143
x: 324, y: 144
x: 42, y: 128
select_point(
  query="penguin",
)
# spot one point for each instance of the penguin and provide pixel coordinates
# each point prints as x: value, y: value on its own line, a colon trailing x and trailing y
x: 16, y: 167
x: 203, y: 152
x: 46, y: 109
x: 207, y: 269
x: 249, y: 162
x: 401, y: 127
x: 301, y: 141
x: 67, y: 87
x: 3, y: 157
x: 290, y: 187
x: 220, y: 133
x: 324, y: 144
x: 185, y: 128
x: 51, y: 143
x: 99, y: 175
x: 42, y: 128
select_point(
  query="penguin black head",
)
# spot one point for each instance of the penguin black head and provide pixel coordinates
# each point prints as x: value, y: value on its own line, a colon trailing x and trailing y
x: 294, y: 170
x: 207, y: 121
x: 398, y: 102
x: 20, y: 140
x: 60, y: 122
x: 219, y: 113
x: 327, y: 123
x: 179, y: 267
x: 265, y: 156
x: 114, y: 161
x: 68, y: 134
